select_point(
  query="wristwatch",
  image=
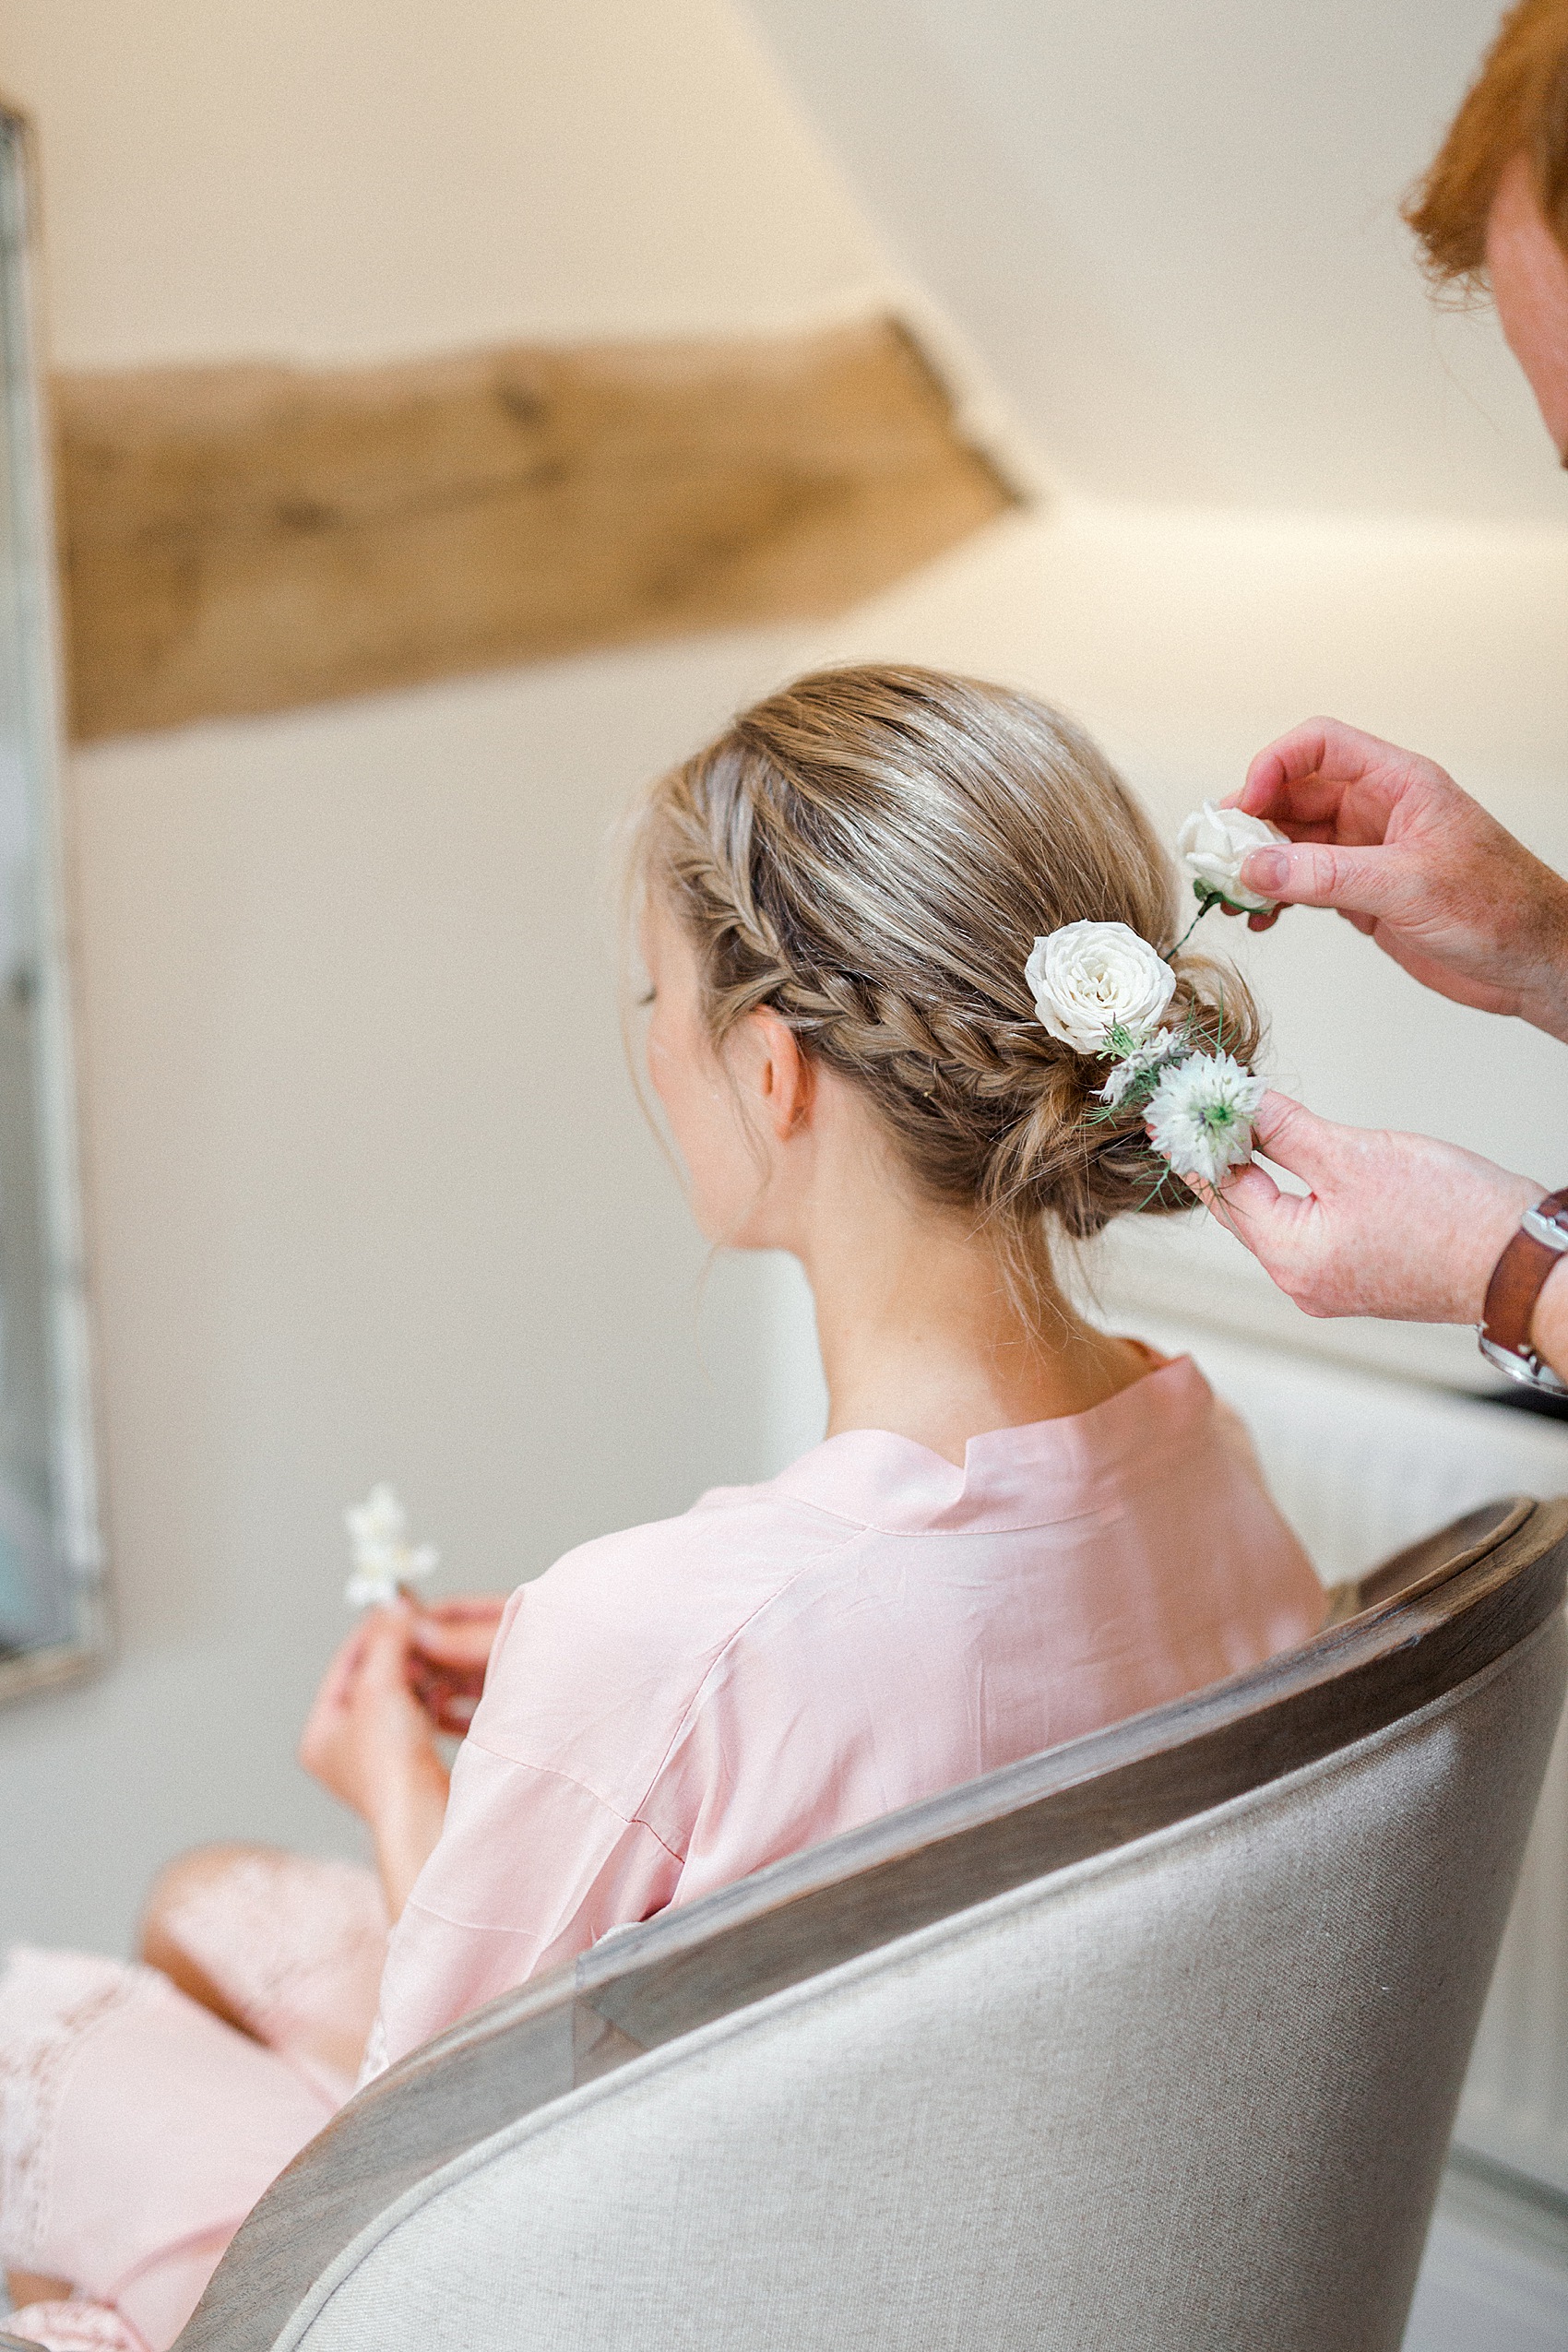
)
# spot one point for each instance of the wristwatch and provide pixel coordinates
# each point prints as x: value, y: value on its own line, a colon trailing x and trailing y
x: 1516, y: 1282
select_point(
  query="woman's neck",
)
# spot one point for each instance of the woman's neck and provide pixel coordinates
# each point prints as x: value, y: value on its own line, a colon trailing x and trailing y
x: 919, y: 1335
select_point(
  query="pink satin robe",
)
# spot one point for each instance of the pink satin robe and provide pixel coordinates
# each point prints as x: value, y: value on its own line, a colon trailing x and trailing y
x: 673, y: 1707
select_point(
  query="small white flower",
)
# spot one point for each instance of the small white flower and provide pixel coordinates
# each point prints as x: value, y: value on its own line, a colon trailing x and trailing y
x: 1213, y: 844
x: 1088, y: 979
x: 1200, y: 1115
x: 1139, y: 1063
x: 384, y: 1562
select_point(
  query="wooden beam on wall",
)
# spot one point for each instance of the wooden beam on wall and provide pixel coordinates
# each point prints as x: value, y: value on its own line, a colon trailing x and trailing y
x: 248, y: 539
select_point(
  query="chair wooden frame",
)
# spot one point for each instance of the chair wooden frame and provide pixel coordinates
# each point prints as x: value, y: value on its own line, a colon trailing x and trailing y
x: 1412, y: 1631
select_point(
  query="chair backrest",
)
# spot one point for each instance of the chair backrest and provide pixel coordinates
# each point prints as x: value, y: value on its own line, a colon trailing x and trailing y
x: 1153, y: 2041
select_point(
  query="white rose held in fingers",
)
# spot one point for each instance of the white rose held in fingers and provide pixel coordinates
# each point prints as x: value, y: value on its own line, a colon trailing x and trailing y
x: 384, y: 1560
x: 1200, y: 1115
x: 1214, y: 844
x: 1088, y: 979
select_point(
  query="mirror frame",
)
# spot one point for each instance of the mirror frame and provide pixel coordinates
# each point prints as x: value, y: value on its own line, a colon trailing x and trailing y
x: 28, y: 449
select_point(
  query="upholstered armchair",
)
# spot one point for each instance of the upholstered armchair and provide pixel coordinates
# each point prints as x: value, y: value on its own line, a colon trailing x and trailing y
x: 1150, y: 2044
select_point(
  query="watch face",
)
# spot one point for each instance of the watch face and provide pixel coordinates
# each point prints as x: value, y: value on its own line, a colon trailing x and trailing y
x: 1526, y: 1367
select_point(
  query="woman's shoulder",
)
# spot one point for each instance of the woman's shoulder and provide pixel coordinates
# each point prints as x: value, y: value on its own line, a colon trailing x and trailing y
x: 600, y: 1658
x: 674, y: 1589
x: 737, y: 1537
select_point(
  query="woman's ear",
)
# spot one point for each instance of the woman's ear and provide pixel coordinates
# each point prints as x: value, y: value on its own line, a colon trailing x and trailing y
x: 776, y: 1073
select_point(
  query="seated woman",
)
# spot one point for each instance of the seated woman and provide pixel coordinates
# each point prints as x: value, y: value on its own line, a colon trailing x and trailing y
x: 1018, y: 1529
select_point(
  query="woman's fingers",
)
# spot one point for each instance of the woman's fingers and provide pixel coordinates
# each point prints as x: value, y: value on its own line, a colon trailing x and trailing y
x: 459, y: 1641
x: 384, y: 1662
x: 344, y: 1665
x: 448, y: 1656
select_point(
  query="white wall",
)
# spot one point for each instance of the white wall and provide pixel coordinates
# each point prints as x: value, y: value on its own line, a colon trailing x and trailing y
x: 1174, y: 232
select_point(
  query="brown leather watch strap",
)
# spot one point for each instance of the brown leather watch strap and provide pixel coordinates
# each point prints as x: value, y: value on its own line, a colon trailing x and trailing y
x: 1518, y: 1280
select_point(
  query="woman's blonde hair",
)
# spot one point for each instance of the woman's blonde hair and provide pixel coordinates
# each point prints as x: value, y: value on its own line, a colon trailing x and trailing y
x: 872, y: 852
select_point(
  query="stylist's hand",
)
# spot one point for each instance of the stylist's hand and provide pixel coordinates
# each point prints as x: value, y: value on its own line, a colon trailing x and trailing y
x: 369, y: 1740
x: 1390, y: 842
x: 1396, y: 1226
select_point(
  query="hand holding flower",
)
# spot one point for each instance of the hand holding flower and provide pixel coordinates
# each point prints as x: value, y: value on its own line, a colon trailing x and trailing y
x: 369, y: 1740
x: 1396, y: 1226
x: 1390, y: 842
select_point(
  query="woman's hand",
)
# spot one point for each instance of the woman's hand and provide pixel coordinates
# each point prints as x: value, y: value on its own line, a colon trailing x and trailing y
x: 1390, y: 842
x: 1394, y: 1226
x: 370, y: 1741
x: 449, y: 1655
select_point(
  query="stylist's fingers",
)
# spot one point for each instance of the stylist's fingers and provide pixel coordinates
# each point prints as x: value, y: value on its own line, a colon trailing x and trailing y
x: 1302, y: 774
x: 1263, y: 1218
x: 1246, y: 1194
x: 1375, y: 883
x: 1292, y: 1136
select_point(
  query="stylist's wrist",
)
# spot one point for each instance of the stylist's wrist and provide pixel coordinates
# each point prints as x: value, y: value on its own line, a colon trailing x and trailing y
x: 1538, y: 924
x: 1545, y: 1004
x: 1498, y: 1210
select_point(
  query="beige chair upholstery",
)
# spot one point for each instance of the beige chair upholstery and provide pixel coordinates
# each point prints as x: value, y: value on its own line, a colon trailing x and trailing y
x: 1154, y: 2042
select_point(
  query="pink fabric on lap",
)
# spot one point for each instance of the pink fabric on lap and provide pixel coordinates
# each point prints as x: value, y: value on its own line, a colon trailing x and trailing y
x: 136, y: 2131
x: 74, y: 2327
x: 296, y: 1947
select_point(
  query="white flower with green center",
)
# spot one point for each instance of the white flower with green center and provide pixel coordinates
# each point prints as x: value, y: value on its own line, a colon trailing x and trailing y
x: 384, y: 1560
x: 1200, y: 1115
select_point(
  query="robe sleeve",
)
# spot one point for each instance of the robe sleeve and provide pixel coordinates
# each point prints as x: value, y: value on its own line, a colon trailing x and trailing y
x: 533, y: 1864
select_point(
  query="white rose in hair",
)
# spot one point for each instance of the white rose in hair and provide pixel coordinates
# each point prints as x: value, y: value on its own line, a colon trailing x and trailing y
x: 1088, y: 979
x: 1213, y: 844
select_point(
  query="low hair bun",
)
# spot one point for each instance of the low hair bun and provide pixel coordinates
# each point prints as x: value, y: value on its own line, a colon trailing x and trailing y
x: 1091, y: 1163
x: 872, y: 852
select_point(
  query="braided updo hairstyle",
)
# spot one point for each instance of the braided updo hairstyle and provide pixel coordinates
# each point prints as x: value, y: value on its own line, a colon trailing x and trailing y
x: 872, y: 852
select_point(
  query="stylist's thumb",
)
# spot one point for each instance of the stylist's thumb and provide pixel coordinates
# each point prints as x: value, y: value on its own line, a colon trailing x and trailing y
x: 1290, y: 1135
x: 1374, y: 881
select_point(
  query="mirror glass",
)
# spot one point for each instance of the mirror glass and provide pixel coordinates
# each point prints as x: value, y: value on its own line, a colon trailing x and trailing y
x: 51, y: 1602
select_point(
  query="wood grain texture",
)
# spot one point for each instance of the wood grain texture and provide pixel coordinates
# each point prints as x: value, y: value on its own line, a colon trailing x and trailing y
x: 1437, y: 1614
x: 245, y: 539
